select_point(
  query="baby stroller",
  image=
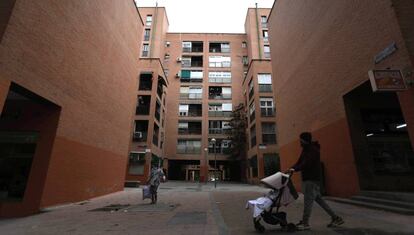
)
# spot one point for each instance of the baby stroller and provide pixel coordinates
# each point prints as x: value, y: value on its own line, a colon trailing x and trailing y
x: 282, y: 194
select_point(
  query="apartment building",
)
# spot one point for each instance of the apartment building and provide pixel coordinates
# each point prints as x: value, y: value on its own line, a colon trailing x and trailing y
x: 206, y: 75
x: 147, y: 140
x: 65, y: 100
x: 366, y: 136
x: 262, y: 153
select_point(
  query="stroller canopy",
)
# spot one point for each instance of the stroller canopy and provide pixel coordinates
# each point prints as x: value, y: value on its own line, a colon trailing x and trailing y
x: 276, y: 181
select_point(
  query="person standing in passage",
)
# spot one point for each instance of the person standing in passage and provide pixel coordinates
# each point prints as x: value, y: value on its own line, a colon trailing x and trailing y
x: 309, y: 164
x: 154, y: 181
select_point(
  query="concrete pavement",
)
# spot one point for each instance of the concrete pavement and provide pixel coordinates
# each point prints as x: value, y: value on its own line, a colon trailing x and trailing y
x: 192, y: 208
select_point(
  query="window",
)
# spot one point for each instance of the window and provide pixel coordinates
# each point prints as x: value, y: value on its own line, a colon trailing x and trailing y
x: 219, y: 61
x: 268, y: 133
x: 145, y: 50
x: 157, y: 110
x: 266, y: 50
x: 136, y: 163
x: 251, y: 90
x: 265, y: 82
x: 219, y: 77
x: 219, y: 127
x: 183, y: 110
x: 266, y: 107
x: 148, y: 21
x: 253, y: 166
x: 264, y: 21
x: 188, y: 146
x: 186, y: 46
x: 244, y: 44
x: 252, y: 113
x: 147, y: 34
x: 266, y: 36
x: 253, y: 136
x: 155, y: 135
x: 271, y: 163
x: 245, y: 60
x: 145, y: 81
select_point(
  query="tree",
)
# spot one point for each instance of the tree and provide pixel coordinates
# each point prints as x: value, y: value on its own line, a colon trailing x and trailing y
x: 238, y: 126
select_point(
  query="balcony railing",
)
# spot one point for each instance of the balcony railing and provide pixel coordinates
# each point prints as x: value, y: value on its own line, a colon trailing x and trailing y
x: 188, y: 150
x: 219, y: 96
x: 219, y: 114
x: 190, y: 131
x: 192, y: 96
x: 219, y: 131
x: 225, y: 151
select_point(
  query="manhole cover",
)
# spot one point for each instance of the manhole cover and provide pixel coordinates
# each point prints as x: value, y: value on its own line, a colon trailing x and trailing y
x: 112, y: 207
x: 188, y: 218
x: 159, y: 207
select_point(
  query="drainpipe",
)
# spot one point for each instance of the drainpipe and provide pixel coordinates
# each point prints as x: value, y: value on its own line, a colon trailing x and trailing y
x: 154, y: 28
x: 258, y: 33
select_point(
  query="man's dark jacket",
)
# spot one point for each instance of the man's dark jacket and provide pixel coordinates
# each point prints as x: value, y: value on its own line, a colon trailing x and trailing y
x: 309, y: 162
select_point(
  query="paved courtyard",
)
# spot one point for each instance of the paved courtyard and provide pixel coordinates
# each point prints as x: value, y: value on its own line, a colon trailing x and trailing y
x: 192, y: 208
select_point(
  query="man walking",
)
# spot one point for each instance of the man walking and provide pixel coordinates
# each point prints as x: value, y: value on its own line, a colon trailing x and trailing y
x: 310, y: 166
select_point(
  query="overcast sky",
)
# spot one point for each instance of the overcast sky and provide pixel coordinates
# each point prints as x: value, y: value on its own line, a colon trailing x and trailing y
x: 206, y: 16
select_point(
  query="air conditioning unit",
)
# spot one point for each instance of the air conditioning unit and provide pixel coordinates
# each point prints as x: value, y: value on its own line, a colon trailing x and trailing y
x: 178, y: 75
x: 138, y: 135
x: 179, y: 59
x: 167, y: 44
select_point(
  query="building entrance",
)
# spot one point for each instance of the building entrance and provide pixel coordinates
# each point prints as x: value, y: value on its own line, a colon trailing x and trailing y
x: 382, y: 148
x: 28, y: 126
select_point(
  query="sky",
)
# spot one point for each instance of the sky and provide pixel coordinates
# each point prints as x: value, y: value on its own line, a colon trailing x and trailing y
x: 206, y: 16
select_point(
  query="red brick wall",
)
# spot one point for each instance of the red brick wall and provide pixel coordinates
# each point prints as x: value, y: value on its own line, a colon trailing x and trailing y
x: 319, y: 53
x: 81, y: 55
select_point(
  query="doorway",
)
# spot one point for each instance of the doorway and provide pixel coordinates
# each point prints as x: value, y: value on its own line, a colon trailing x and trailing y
x: 28, y: 126
x: 382, y: 148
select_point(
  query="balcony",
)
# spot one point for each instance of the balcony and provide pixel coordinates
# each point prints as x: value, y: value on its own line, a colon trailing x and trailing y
x: 192, y: 61
x: 193, y: 47
x: 140, y: 131
x: 190, y: 110
x: 145, y: 82
x: 189, y: 128
x: 219, y: 93
x: 215, y: 47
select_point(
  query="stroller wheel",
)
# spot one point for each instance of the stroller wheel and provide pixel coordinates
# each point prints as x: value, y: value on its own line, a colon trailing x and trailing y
x: 259, y: 228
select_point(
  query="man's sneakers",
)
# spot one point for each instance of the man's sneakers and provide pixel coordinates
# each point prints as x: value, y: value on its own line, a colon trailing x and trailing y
x: 336, y: 222
x: 301, y: 226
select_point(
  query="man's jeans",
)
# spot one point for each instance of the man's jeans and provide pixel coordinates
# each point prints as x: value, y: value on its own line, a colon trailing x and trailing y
x: 312, y: 192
